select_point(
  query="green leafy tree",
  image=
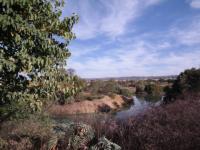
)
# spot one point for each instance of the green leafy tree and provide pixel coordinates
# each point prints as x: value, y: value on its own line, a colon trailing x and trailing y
x: 153, y: 89
x: 188, y: 82
x: 68, y: 86
x: 31, y: 55
x: 140, y: 87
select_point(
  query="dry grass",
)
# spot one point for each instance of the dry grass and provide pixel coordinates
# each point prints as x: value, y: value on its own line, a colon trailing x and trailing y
x: 25, y: 135
x: 175, y: 126
x: 99, y: 105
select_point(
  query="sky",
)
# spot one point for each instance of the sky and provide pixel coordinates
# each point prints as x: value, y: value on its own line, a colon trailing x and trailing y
x: 118, y: 38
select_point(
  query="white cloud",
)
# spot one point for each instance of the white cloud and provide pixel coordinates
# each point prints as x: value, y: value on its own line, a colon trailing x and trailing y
x: 169, y: 52
x: 188, y: 35
x: 106, y: 17
x: 138, y: 58
x: 82, y: 50
x: 152, y: 53
x: 195, y: 4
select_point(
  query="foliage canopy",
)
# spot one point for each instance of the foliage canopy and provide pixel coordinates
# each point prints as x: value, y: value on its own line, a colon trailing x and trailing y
x: 32, y: 54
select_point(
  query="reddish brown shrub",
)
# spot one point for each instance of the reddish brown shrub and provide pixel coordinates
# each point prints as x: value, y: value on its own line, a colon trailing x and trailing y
x: 25, y: 134
x: 172, y: 127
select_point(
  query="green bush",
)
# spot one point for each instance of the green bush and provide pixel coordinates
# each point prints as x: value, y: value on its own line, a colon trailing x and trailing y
x: 125, y: 92
x: 95, y: 87
x: 140, y: 87
x: 187, y: 82
x: 110, y: 87
x: 153, y: 89
x: 86, y: 96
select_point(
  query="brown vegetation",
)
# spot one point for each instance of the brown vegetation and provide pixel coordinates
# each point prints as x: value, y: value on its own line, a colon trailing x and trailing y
x: 175, y: 126
x: 104, y: 104
x: 25, y: 134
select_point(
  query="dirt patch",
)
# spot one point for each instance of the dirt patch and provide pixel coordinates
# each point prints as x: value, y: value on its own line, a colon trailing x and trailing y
x: 104, y: 104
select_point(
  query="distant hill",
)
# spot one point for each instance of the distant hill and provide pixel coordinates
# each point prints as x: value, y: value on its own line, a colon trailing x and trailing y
x: 136, y: 78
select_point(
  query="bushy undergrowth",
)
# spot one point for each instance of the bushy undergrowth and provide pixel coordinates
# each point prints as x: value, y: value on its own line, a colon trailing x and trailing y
x: 26, y: 134
x: 87, y: 96
x: 172, y: 127
x: 39, y: 134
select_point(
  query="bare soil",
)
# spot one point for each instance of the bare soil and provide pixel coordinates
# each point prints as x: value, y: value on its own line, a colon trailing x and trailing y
x: 105, y: 104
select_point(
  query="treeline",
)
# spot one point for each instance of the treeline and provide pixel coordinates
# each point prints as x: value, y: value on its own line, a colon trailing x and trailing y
x: 96, y: 89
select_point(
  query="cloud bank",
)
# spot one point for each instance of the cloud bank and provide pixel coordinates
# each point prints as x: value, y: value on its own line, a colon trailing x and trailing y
x: 112, y: 43
x: 195, y: 4
x: 106, y: 17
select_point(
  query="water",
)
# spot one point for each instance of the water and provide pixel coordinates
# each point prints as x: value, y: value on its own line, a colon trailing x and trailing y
x: 139, y: 105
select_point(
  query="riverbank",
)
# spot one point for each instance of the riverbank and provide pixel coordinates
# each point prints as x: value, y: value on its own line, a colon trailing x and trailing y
x: 105, y: 104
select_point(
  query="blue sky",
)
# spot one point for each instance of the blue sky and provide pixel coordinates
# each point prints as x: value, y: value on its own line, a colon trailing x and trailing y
x: 134, y: 37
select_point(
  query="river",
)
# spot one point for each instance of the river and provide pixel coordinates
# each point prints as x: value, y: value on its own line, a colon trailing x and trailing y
x: 139, y: 105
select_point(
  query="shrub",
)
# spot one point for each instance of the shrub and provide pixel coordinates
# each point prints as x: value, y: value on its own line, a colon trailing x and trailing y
x: 77, y: 136
x: 140, y: 87
x: 125, y: 92
x: 186, y: 82
x: 153, y: 89
x: 29, y: 134
x: 110, y: 87
x: 86, y: 96
x: 174, y: 126
x: 95, y: 87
